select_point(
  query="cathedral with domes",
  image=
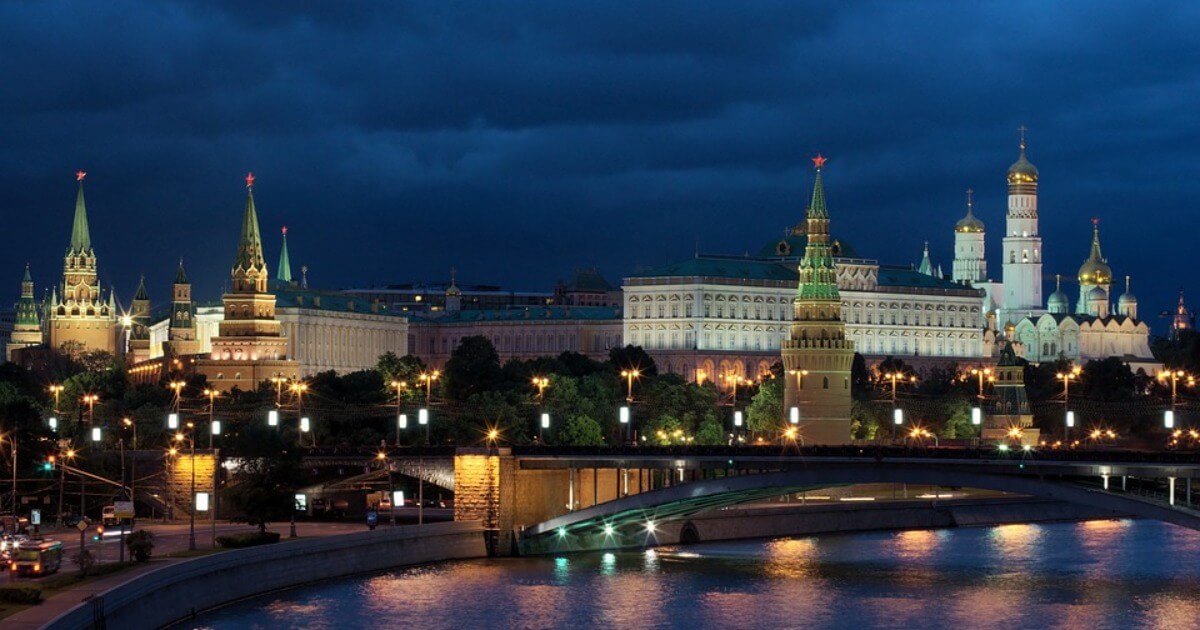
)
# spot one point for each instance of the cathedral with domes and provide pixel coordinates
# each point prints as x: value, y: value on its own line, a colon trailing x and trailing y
x: 1013, y: 306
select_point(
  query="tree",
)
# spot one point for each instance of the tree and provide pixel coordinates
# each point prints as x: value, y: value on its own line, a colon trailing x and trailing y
x: 405, y: 369
x: 263, y: 489
x: 140, y: 544
x: 710, y: 432
x: 474, y: 367
x: 765, y: 413
x: 581, y: 430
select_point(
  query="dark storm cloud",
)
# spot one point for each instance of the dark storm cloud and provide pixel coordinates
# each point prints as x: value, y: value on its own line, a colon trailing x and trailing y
x: 518, y: 140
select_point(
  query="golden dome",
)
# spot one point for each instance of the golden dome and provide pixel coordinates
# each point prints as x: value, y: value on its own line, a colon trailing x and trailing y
x: 1095, y: 269
x: 1022, y: 171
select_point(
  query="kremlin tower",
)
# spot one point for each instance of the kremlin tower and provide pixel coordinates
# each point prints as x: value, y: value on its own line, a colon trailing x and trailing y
x: 249, y: 347
x: 817, y: 355
x: 27, y: 330
x: 1022, y: 247
x: 80, y: 319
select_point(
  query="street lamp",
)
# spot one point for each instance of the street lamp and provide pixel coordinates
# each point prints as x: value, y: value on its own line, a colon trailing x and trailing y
x: 1174, y: 376
x: 736, y: 380
x: 983, y: 374
x: 800, y: 374
x: 300, y: 388
x: 279, y: 382
x: 541, y: 383
x: 191, y: 438
x: 423, y: 419
x: 623, y: 418
x: 1066, y: 378
x: 91, y: 399
x: 629, y: 375
x: 898, y: 415
x: 428, y: 378
x: 177, y: 386
x: 56, y: 389
x: 215, y: 428
x: 399, y: 386
x: 382, y: 456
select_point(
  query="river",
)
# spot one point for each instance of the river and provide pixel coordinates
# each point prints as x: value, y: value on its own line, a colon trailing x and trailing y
x: 1099, y: 574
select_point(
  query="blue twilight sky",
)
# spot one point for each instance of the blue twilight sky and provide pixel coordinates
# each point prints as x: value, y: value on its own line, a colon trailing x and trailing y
x: 517, y: 140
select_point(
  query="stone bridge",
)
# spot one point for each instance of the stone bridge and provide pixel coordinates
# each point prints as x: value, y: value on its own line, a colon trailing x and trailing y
x: 548, y: 500
x: 434, y: 466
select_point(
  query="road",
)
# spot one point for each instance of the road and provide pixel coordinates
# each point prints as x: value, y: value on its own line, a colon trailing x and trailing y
x: 173, y: 537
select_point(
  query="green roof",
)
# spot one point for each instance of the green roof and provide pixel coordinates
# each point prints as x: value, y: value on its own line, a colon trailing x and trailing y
x: 285, y: 263
x: 81, y: 236
x: 718, y: 267
x: 180, y: 274
x: 288, y: 294
x: 589, y: 280
x: 250, y: 245
x: 906, y: 277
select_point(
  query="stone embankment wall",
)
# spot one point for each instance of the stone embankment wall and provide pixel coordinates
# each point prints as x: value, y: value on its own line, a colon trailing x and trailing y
x: 177, y: 592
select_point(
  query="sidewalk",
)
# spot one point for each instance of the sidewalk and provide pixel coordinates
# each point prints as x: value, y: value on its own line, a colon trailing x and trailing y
x: 62, y: 601
x: 38, y: 616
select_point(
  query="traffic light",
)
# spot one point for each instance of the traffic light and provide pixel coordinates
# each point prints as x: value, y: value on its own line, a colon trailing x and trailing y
x: 99, y: 533
x: 49, y: 463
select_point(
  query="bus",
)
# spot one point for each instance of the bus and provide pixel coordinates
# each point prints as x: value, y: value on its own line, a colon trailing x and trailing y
x: 37, y: 557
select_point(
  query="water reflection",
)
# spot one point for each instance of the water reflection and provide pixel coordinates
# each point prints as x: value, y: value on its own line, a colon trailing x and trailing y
x: 1099, y: 574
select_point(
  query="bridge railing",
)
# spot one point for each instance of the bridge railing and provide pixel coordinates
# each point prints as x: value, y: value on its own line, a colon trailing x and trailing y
x: 867, y: 452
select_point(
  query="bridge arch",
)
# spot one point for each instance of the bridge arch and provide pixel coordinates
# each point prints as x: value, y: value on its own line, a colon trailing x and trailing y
x: 626, y: 521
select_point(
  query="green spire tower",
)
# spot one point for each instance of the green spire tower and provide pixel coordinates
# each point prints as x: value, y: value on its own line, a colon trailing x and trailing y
x: 926, y: 264
x: 27, y: 330
x: 78, y: 318
x: 250, y: 346
x: 817, y: 356
x: 284, y: 274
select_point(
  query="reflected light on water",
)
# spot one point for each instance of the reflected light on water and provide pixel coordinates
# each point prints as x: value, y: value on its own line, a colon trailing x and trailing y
x: 916, y: 544
x: 1017, y: 542
x: 790, y: 558
x: 1015, y: 576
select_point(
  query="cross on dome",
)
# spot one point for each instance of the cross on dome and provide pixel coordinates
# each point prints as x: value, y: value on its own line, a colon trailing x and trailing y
x: 1022, y: 129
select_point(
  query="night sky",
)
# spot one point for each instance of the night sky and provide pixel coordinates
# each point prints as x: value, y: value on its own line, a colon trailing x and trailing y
x: 518, y: 141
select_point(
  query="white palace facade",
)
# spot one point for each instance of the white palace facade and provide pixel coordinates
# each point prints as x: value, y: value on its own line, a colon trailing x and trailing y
x: 712, y: 316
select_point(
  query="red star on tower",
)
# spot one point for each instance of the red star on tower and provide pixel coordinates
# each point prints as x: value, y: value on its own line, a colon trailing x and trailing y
x: 79, y: 175
x: 820, y: 161
x: 249, y: 180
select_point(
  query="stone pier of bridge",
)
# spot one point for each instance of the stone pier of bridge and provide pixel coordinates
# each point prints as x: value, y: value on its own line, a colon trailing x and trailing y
x: 492, y: 486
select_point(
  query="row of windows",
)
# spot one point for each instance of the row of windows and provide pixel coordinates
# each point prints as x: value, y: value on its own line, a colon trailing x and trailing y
x: 893, y: 314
